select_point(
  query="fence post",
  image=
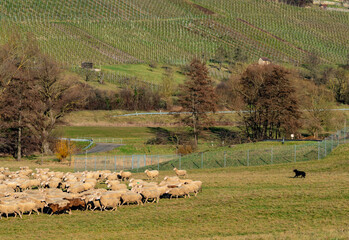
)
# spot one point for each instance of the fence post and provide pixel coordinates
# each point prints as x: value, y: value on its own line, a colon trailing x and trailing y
x: 295, y: 153
x: 202, y: 160
x: 332, y: 143
x: 180, y: 161
x: 225, y: 158
x: 151, y: 159
x: 138, y: 162
x: 74, y: 159
x: 105, y: 163
x: 115, y: 162
x: 95, y: 163
x: 86, y: 161
x: 325, y: 148
x: 271, y: 156
x: 337, y: 140
x: 145, y: 160
x: 345, y: 134
x: 318, y: 150
x: 158, y: 163
x: 132, y: 162
x: 123, y: 163
x: 248, y: 157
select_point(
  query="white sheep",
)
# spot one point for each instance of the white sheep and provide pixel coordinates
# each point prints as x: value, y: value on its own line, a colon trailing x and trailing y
x: 180, y: 173
x: 118, y: 187
x: 152, y: 174
x: 8, y: 208
x: 131, y: 197
x: 150, y: 194
x: 125, y: 175
x: 27, y: 206
x: 178, y: 192
x: 107, y: 201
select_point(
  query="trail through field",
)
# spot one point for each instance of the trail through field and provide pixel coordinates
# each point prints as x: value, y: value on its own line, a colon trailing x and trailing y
x: 103, y: 147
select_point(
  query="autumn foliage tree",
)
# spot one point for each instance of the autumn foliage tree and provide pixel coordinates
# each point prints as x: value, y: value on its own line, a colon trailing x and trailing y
x: 64, y: 149
x: 197, y: 98
x: 271, y: 105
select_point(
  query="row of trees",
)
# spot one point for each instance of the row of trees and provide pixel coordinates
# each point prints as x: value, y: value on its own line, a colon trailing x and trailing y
x: 276, y: 102
x: 35, y: 93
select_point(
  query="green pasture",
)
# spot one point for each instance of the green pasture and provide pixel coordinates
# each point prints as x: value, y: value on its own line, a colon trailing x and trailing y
x: 262, y: 202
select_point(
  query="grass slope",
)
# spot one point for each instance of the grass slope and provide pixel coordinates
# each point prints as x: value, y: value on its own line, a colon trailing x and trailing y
x: 236, y: 203
x: 172, y: 31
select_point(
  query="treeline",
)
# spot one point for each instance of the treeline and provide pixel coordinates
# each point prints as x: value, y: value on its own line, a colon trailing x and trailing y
x: 36, y: 93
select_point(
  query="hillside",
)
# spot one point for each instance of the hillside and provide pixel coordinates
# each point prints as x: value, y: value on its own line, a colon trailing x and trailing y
x: 109, y: 32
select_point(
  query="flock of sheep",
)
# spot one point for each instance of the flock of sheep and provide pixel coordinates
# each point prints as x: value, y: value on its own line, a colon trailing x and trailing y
x: 26, y: 191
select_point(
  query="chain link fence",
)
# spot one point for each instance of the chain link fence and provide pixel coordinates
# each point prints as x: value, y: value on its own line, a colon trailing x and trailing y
x: 216, y: 159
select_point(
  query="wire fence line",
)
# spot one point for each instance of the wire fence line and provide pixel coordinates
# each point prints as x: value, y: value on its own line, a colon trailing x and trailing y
x: 117, y: 163
x: 215, y: 159
x: 220, y: 112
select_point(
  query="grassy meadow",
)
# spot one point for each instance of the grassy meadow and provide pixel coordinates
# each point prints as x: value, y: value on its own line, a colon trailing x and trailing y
x: 236, y: 203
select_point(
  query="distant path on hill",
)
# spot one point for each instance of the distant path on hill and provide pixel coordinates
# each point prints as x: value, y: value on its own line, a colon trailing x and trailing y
x: 337, y: 9
x: 102, y: 147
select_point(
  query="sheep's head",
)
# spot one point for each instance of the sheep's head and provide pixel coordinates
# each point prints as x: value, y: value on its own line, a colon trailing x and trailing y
x: 146, y: 171
x: 175, y: 169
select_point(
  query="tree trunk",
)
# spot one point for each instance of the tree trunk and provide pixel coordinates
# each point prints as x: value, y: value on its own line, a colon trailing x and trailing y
x: 45, y: 145
x: 19, y: 144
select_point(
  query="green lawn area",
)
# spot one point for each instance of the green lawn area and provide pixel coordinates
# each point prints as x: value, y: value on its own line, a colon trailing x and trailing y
x: 236, y: 203
x: 145, y: 72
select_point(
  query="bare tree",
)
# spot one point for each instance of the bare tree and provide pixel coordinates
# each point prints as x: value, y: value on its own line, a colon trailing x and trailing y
x: 271, y: 106
x: 198, y: 97
x: 17, y: 95
x: 58, y: 93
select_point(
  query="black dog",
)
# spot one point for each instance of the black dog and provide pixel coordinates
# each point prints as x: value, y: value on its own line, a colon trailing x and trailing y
x: 299, y: 173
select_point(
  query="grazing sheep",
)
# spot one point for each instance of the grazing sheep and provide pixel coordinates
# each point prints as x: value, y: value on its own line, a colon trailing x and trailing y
x: 125, y: 175
x: 112, y: 182
x: 8, y: 208
x: 113, y: 176
x: 131, y: 197
x: 152, y: 174
x: 59, y: 206
x: 107, y: 201
x: 150, y: 194
x: 88, y: 186
x: 117, y: 187
x: 199, y: 184
x: 27, y: 206
x: 180, y: 173
x: 192, y: 188
x: 76, y: 189
x: 177, y: 192
x: 134, y: 182
x: 76, y: 202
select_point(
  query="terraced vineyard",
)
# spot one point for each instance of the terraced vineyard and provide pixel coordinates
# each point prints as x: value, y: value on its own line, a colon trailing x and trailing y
x: 110, y: 32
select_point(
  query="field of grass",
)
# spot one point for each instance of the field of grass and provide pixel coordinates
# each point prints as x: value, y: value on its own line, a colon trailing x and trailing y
x: 144, y: 72
x: 236, y: 203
